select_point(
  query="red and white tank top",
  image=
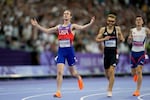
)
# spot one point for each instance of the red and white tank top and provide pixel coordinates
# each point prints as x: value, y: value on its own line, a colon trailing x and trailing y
x: 65, y: 36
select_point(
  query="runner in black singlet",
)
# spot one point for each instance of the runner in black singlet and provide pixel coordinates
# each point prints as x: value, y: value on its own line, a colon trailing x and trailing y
x: 109, y: 35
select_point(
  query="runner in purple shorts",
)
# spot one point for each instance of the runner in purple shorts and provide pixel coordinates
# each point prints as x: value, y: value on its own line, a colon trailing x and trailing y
x: 137, y: 37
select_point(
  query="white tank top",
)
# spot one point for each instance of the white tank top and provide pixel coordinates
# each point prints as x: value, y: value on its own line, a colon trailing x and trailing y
x: 139, y: 37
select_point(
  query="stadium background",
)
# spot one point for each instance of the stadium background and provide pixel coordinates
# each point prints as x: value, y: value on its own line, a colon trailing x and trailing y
x: 27, y: 52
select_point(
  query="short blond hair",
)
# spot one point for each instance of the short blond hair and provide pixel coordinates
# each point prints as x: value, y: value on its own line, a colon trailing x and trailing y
x: 112, y: 16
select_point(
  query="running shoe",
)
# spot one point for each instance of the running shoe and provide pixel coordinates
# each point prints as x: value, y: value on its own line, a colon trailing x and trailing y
x: 57, y: 94
x: 80, y: 84
x: 135, y: 78
x: 136, y: 93
x: 109, y: 94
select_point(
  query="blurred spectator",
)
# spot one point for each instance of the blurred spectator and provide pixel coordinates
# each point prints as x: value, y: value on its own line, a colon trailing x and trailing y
x: 17, y: 33
x: 80, y: 46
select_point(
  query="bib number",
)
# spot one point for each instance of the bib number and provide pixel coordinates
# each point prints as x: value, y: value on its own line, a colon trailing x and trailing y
x: 110, y: 43
x: 64, y: 43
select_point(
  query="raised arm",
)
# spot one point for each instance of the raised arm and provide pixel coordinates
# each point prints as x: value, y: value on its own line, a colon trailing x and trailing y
x: 80, y: 27
x: 46, y: 30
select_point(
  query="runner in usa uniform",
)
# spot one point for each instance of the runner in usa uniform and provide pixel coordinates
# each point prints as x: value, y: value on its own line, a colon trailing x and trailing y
x: 110, y: 34
x: 137, y: 37
x: 66, y: 50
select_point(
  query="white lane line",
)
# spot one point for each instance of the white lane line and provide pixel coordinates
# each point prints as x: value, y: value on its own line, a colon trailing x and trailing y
x: 141, y: 96
x: 39, y: 95
x: 91, y: 95
x: 71, y: 91
x: 30, y: 97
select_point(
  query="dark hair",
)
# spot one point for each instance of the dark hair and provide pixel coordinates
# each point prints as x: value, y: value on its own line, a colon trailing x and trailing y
x: 69, y: 11
x: 139, y: 16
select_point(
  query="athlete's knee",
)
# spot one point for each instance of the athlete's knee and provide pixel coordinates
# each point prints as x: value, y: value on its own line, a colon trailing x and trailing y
x: 139, y: 69
x: 59, y: 73
x: 111, y: 69
x: 139, y: 72
x: 74, y: 73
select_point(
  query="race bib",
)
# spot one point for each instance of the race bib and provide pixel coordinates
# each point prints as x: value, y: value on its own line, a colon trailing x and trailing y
x: 110, y: 43
x: 64, y: 43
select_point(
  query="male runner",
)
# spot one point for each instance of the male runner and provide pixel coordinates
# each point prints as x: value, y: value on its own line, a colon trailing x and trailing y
x: 66, y: 49
x: 137, y: 37
x: 110, y: 34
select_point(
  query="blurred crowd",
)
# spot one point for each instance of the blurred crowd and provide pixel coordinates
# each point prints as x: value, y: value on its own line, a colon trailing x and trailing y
x: 17, y: 33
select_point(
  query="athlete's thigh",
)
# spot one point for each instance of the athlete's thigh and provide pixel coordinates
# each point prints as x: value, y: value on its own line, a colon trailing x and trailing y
x: 134, y: 59
x: 60, y: 56
x: 71, y: 59
x: 141, y: 58
x: 137, y: 58
x: 113, y: 60
x: 60, y: 68
x: 106, y: 61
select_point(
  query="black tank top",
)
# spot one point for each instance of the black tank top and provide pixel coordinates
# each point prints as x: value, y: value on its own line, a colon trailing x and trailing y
x: 111, y: 44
